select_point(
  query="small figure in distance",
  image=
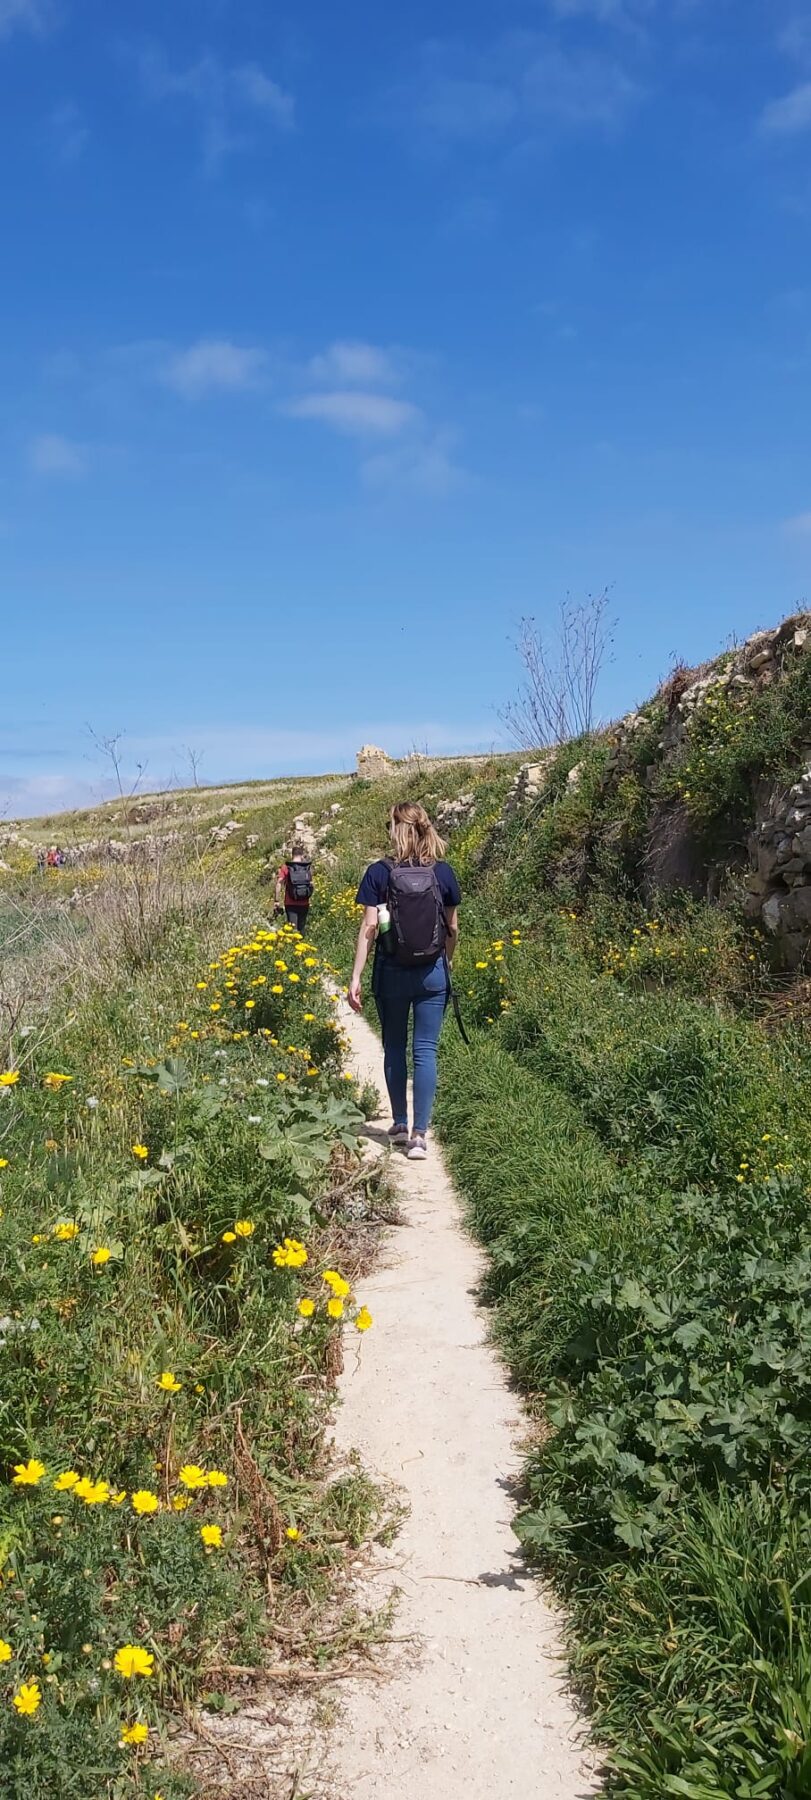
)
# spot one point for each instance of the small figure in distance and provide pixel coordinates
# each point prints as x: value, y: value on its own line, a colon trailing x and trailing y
x: 294, y: 887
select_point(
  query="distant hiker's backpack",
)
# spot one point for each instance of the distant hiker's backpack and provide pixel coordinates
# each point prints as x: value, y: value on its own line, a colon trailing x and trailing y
x: 300, y: 882
x: 417, y: 914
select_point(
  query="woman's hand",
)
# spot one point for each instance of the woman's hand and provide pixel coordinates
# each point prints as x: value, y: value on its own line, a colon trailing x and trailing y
x: 354, y: 994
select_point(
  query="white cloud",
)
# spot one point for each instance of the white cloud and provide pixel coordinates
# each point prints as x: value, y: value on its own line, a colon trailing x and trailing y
x: 69, y: 132
x: 627, y: 14
x: 28, y: 15
x: 423, y: 467
x: 214, y: 364
x: 50, y: 454
x: 257, y: 89
x: 348, y: 361
x: 356, y: 413
x: 225, y: 98
x: 795, y: 39
x: 798, y: 526
x: 790, y: 114
x: 523, y: 84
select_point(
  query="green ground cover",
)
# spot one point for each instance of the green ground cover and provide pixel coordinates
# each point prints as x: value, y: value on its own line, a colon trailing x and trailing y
x: 634, y: 1147
x: 178, y: 1166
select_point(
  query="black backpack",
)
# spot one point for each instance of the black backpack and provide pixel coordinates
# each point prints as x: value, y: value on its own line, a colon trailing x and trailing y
x: 417, y: 914
x: 299, y: 875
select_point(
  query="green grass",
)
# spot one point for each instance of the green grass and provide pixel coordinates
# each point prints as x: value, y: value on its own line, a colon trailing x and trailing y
x: 635, y: 1153
x: 164, y: 1033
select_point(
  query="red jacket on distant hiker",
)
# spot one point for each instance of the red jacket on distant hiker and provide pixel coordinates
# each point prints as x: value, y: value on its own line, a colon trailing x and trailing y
x: 294, y: 886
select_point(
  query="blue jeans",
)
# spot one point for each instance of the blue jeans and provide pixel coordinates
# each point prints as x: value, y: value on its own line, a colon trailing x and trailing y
x: 397, y: 991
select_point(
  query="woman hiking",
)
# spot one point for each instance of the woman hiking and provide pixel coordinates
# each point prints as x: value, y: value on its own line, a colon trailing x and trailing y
x: 410, y: 902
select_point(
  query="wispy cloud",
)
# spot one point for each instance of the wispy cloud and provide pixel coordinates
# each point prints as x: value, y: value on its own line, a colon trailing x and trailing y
x: 51, y: 454
x: 359, y: 414
x: 609, y: 12
x: 349, y: 362
x: 227, y: 99
x: 790, y: 114
x: 228, y: 753
x: 214, y: 364
x: 798, y: 526
x: 523, y: 84
x: 402, y: 447
x: 425, y: 466
x: 26, y: 15
x: 795, y: 38
x: 68, y: 132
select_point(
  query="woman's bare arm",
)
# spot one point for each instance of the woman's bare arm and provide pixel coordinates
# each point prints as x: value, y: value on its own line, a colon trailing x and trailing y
x: 366, y: 938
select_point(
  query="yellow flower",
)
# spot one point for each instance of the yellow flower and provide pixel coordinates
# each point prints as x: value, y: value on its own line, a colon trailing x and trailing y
x: 309, y: 1018
x: 66, y: 1231
x: 211, y: 1536
x: 229, y: 1237
x: 192, y: 1476
x: 28, y: 1474
x: 292, y: 1532
x: 180, y: 1502
x: 6, y: 1651
x: 119, y: 1498
x: 144, y: 1501
x: 141, y: 1151
x: 244, y: 1228
x: 68, y: 1479
x: 55, y: 1080
x: 169, y: 1382
x: 281, y: 1077
x: 96, y: 1494
x: 290, y: 1255
x: 9, y: 1077
x: 335, y: 1308
x: 27, y: 1699
x: 277, y: 988
x: 3, y: 1162
x: 217, y: 1478
x: 132, y: 1659
x: 134, y: 1734
x: 339, y: 1286
x: 363, y: 1319
x: 294, y: 977
x: 306, y: 1308
x: 201, y: 984
x: 101, y: 1256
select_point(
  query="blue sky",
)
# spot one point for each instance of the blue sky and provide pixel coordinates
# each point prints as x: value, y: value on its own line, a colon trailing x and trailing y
x: 335, y: 339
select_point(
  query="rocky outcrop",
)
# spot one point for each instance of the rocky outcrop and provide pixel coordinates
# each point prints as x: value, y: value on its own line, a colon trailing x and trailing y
x: 528, y: 785
x: 778, y: 889
x: 451, y: 815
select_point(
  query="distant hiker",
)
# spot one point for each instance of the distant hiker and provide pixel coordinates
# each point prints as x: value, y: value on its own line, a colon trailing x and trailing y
x: 294, y: 886
x: 411, y: 900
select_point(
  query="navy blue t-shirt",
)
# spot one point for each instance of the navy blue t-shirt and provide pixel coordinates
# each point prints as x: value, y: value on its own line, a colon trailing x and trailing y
x: 375, y: 885
x: 374, y: 889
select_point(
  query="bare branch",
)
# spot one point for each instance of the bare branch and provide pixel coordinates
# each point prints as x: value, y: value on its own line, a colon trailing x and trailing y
x: 557, y: 699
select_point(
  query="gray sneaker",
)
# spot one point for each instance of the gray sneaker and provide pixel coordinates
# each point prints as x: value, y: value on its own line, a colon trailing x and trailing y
x: 417, y: 1149
x: 398, y: 1134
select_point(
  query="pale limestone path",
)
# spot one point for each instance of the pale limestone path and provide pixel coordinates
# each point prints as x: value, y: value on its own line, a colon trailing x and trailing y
x: 474, y: 1706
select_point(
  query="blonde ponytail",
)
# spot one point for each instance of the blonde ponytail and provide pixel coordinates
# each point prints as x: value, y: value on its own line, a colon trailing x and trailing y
x: 413, y: 837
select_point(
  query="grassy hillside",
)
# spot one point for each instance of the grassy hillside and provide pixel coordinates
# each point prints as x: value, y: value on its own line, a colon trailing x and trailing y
x: 632, y: 1130
x: 178, y: 1166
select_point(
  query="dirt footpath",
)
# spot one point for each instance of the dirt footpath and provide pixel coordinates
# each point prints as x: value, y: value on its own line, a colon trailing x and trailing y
x: 475, y: 1705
